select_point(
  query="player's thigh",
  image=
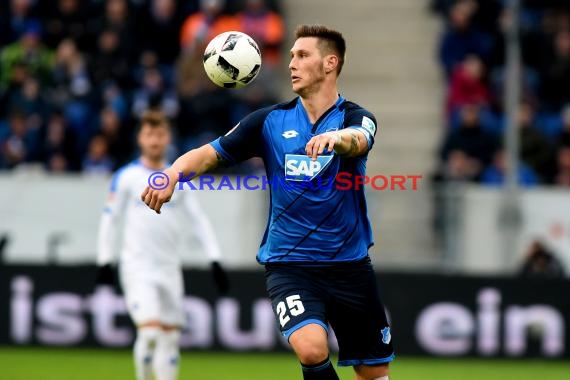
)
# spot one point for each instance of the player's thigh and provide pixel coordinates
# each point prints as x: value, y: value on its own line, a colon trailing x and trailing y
x: 358, y: 318
x: 295, y: 299
x: 171, y: 291
x: 142, y: 298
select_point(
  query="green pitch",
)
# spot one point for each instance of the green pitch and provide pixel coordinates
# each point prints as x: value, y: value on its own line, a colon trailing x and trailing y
x: 73, y: 364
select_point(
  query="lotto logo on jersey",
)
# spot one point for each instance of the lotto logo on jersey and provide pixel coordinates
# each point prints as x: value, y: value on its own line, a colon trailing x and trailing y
x: 299, y: 167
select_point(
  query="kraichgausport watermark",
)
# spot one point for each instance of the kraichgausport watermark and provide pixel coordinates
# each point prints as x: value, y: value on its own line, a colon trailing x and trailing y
x: 341, y: 181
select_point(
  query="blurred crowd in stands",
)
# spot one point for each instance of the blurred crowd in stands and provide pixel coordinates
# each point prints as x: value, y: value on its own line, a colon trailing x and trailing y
x: 75, y: 75
x: 472, y: 57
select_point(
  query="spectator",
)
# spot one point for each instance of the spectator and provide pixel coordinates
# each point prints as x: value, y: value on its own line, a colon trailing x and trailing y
x: 59, y: 141
x: 468, y: 85
x: 563, y: 138
x: 563, y: 165
x: 208, y: 111
x: 150, y: 60
x: 534, y: 148
x: 495, y: 174
x: 14, y: 19
x: 199, y: 28
x: 117, y: 135
x: 461, y: 38
x: 20, y: 145
x: 70, y: 74
x: 459, y: 167
x: 556, y: 84
x: 110, y: 62
x: 117, y: 17
x: 470, y: 139
x: 57, y: 164
x: 161, y: 30
x: 530, y: 86
x: 540, y: 262
x: 66, y: 20
x: 28, y: 50
x: 562, y: 179
x: 154, y: 92
x: 113, y: 97
x: 265, y: 27
x: 98, y: 161
x: 29, y: 99
x: 16, y: 81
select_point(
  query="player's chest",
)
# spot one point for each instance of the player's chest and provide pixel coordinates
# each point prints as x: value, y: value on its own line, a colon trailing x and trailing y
x: 288, y: 147
x: 291, y: 135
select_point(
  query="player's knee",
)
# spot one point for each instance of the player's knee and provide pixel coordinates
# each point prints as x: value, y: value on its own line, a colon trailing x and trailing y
x: 310, y: 344
x: 170, y: 336
x: 311, y: 352
x: 148, y: 336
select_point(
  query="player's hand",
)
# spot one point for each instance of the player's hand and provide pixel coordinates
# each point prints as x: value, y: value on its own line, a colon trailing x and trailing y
x: 220, y: 278
x: 319, y: 143
x: 105, y: 275
x: 155, y: 198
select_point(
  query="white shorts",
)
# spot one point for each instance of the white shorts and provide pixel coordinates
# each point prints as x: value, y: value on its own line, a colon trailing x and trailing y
x: 155, y: 298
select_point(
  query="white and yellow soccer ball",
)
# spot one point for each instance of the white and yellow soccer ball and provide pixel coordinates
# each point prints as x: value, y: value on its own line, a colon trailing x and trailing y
x: 232, y: 60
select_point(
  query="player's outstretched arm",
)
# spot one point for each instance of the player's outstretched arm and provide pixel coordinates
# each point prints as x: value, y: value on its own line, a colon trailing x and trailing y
x: 191, y: 164
x: 348, y: 142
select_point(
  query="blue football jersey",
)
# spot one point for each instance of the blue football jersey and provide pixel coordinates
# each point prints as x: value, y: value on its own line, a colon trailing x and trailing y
x: 310, y: 219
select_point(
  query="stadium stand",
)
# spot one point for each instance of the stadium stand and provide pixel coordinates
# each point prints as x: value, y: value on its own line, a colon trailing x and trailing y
x: 75, y: 76
x: 471, y: 54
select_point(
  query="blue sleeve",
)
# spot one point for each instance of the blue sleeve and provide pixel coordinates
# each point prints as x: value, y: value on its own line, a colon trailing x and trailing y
x: 245, y: 140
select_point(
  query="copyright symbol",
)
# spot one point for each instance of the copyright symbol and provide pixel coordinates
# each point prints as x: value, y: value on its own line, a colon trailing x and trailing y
x: 158, y: 181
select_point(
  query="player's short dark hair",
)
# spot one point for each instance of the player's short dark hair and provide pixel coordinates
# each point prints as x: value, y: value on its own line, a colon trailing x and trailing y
x: 329, y: 39
x: 154, y: 119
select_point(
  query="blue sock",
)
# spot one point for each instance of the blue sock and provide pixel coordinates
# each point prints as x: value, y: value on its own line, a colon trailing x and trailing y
x: 320, y: 371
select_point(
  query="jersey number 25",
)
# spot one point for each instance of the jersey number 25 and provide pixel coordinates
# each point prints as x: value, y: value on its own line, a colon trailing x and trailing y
x: 294, y: 306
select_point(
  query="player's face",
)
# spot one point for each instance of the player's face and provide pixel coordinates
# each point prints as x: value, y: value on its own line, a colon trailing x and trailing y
x: 153, y: 141
x: 306, y: 66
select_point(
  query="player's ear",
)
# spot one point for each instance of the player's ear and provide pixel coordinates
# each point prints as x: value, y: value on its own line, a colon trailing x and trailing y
x: 331, y: 63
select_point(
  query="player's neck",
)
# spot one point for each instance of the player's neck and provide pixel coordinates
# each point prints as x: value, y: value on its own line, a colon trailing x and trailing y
x: 154, y: 164
x: 318, y: 103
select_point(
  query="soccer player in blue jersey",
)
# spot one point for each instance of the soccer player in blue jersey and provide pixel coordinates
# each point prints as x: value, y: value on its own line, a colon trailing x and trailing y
x: 315, y: 248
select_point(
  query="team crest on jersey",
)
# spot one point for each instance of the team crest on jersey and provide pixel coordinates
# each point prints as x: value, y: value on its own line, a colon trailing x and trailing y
x: 386, y: 336
x: 299, y: 167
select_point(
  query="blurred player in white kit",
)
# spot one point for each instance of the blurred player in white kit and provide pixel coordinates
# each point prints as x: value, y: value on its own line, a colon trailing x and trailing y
x: 149, y: 263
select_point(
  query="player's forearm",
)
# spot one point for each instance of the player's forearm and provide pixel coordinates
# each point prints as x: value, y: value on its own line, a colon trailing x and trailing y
x: 194, y: 163
x: 351, y: 143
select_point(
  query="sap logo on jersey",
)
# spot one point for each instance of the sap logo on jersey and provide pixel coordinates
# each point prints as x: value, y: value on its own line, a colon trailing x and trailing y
x: 299, y: 167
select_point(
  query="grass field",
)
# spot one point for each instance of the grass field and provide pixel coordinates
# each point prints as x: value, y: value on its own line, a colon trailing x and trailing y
x: 87, y: 364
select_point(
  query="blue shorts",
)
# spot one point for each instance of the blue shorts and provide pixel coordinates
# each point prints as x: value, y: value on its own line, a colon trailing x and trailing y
x: 342, y: 295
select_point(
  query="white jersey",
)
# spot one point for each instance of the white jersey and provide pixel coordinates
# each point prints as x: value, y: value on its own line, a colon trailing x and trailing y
x: 148, y: 243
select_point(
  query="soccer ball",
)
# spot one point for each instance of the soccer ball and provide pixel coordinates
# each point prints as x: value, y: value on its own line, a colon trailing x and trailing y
x: 232, y: 60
